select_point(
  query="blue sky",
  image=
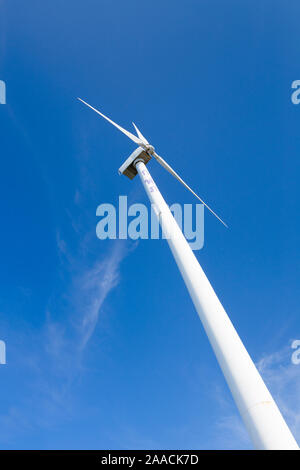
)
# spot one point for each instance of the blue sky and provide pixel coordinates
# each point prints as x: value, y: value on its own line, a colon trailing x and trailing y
x: 104, y: 347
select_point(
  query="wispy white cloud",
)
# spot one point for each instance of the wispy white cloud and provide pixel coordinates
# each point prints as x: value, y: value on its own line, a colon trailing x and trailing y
x: 94, y: 286
x: 84, y: 298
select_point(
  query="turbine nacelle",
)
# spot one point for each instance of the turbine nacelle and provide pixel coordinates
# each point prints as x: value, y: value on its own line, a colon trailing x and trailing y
x: 128, y: 168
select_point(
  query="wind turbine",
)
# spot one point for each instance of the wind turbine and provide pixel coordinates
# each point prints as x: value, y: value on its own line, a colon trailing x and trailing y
x: 261, y: 416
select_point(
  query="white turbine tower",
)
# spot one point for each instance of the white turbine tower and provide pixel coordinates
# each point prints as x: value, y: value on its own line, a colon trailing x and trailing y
x: 262, y: 418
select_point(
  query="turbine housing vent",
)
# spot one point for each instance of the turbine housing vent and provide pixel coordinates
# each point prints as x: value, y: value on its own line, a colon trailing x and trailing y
x: 128, y: 169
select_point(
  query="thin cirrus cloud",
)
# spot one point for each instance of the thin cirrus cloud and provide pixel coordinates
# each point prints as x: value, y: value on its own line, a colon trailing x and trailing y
x: 95, y: 286
x: 85, y: 297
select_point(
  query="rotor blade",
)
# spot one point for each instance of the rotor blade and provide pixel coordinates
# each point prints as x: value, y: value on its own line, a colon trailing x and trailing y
x: 140, y: 135
x: 131, y: 136
x: 173, y: 173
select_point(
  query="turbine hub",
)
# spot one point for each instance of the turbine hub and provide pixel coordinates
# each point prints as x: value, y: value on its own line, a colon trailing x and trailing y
x: 150, y: 149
